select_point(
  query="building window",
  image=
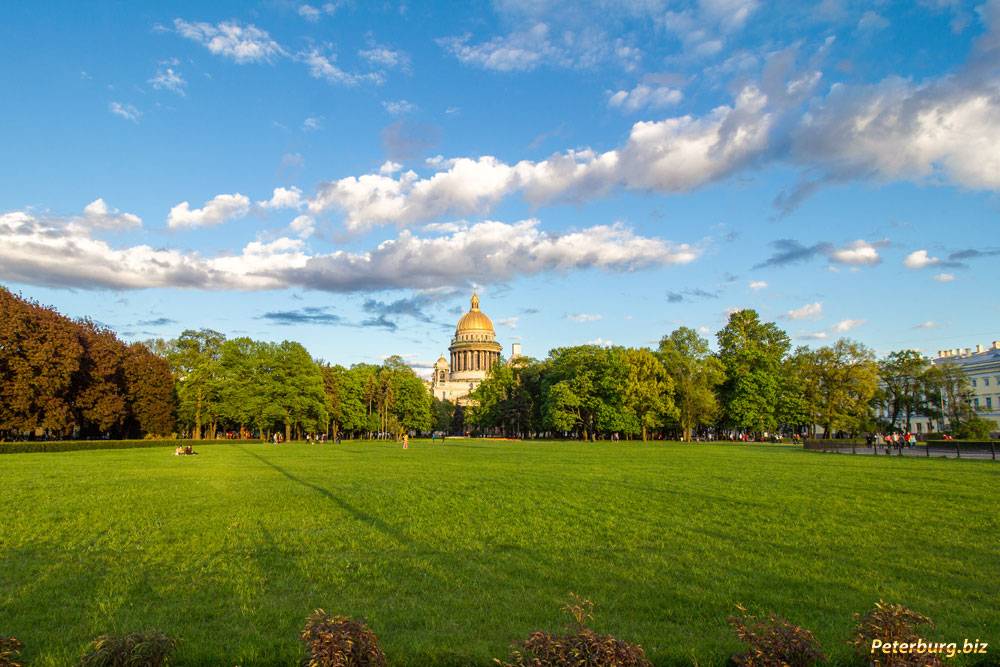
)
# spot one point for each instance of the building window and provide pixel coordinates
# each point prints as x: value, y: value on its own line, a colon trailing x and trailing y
x: 986, y: 382
x: 973, y: 382
x: 975, y: 401
x: 989, y: 403
x: 920, y: 427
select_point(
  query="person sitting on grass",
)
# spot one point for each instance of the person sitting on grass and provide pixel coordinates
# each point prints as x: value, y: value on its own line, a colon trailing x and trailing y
x: 179, y: 451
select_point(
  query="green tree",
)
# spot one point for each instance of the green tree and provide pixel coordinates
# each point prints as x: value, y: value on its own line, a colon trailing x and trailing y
x: 696, y: 375
x: 903, y: 391
x: 649, y: 390
x: 751, y: 353
x: 194, y: 359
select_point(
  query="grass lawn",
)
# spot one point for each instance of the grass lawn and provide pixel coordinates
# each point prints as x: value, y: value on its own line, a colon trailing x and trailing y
x: 452, y: 551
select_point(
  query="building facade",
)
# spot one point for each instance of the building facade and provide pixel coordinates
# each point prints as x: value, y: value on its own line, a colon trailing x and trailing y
x: 982, y: 366
x: 474, y: 350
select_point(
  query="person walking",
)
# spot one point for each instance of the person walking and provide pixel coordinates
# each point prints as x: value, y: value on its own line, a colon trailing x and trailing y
x: 406, y: 441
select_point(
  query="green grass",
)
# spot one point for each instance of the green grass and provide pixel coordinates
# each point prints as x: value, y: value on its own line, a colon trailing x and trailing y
x: 453, y: 551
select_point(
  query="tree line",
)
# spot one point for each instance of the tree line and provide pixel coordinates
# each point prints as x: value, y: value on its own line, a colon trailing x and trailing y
x: 755, y: 383
x: 75, y: 378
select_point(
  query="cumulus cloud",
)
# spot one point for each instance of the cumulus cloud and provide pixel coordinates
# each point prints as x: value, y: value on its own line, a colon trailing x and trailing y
x: 229, y: 39
x: 283, y: 198
x: 61, y: 252
x: 846, y: 325
x: 944, y: 277
x: 215, y: 211
x: 810, y: 311
x: 674, y: 155
x: 303, y: 226
x: 585, y: 317
x: 643, y: 96
x: 757, y: 285
x: 919, y: 259
x: 126, y: 111
x: 857, y: 253
x: 98, y: 215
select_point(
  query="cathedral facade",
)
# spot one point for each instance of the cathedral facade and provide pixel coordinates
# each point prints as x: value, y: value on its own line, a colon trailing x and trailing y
x: 474, y: 350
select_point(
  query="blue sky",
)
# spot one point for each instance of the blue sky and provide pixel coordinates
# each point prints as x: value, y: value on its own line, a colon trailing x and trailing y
x: 343, y: 174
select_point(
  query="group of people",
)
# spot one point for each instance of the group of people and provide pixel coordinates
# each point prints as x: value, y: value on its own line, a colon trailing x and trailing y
x: 184, y: 450
x: 895, y: 440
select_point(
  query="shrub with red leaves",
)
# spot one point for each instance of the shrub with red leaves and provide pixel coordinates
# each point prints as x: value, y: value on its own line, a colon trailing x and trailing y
x: 10, y: 649
x: 338, y: 641
x: 580, y: 647
x: 773, y: 642
x: 892, y: 623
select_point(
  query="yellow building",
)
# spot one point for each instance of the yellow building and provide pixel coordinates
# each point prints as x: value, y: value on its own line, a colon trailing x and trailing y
x: 473, y: 352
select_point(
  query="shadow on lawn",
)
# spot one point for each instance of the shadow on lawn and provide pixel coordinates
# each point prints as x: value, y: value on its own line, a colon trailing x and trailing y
x: 357, y: 514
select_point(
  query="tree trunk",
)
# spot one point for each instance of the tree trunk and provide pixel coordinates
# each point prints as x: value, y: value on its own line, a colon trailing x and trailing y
x: 644, y: 433
x: 288, y: 430
x: 196, y: 433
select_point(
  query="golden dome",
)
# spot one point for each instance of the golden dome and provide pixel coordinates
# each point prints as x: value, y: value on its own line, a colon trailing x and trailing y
x: 475, y: 319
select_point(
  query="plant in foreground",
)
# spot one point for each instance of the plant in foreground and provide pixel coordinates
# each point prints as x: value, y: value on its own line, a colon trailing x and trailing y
x: 10, y: 649
x: 580, y: 647
x: 773, y: 642
x: 890, y: 623
x: 339, y: 641
x: 138, y: 649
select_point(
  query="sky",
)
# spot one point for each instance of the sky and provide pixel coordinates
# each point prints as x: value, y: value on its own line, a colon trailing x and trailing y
x: 344, y: 174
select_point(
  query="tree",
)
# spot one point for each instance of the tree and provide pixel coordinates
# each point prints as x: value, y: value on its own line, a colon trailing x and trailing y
x: 149, y: 390
x: 949, y: 395
x: 846, y: 377
x: 40, y: 357
x: 344, y: 400
x: 751, y: 353
x: 194, y: 358
x: 903, y: 393
x: 442, y: 414
x: 696, y: 374
x: 649, y: 390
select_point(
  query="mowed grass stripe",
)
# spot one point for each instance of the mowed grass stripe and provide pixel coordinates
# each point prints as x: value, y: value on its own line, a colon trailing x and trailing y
x: 453, y: 551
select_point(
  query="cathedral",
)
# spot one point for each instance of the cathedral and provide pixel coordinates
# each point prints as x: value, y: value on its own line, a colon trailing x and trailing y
x: 474, y: 351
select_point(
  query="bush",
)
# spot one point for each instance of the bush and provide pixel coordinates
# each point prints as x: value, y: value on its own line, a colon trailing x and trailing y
x: 580, y: 647
x: 892, y: 623
x: 773, y: 642
x: 338, y: 641
x: 139, y: 649
x: 10, y: 649
x: 975, y: 428
x: 33, y: 446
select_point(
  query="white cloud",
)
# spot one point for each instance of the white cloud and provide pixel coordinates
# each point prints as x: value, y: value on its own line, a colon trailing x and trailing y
x: 383, y: 56
x: 944, y: 277
x: 303, y: 226
x: 919, y: 259
x: 673, y: 155
x: 312, y: 124
x: 600, y: 342
x: 126, y: 111
x: 872, y: 21
x: 846, y: 325
x: 216, y: 211
x: 643, y: 96
x: 518, y: 51
x: 389, y: 167
x: 97, y: 214
x: 810, y: 311
x: 756, y: 285
x: 399, y: 107
x: 509, y: 322
x: 241, y: 44
x: 322, y: 66
x: 168, y: 79
x: 284, y: 198
x: 57, y: 252
x: 585, y: 317
x: 816, y: 335
x: 856, y: 253
x: 929, y: 324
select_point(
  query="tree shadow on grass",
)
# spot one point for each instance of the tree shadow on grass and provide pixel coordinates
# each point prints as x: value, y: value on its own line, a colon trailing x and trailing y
x: 355, y: 513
